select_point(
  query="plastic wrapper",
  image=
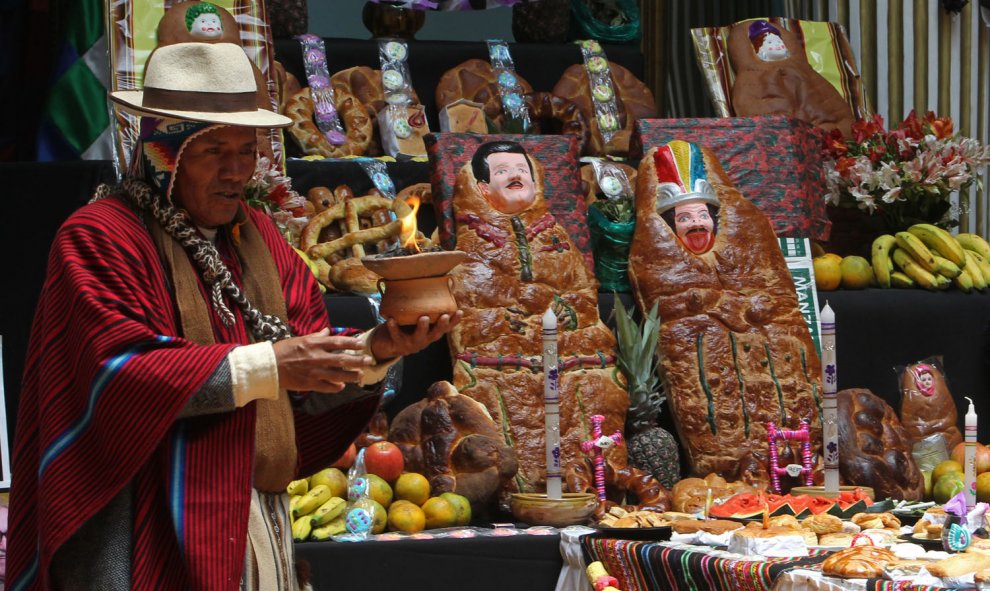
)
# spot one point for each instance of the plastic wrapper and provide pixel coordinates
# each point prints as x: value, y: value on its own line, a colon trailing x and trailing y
x: 326, y: 116
x: 516, y: 112
x: 926, y: 406
x: 602, y: 90
x: 133, y: 26
x: 826, y: 47
x: 359, y: 517
x: 930, y: 452
x: 396, y: 82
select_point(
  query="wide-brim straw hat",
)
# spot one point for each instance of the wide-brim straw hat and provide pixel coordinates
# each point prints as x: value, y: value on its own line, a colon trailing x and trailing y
x: 208, y: 82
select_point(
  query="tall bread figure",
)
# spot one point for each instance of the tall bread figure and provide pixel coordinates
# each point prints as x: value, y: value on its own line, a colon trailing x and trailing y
x: 736, y: 352
x: 522, y: 263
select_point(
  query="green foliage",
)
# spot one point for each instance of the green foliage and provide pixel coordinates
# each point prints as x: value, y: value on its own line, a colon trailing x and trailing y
x: 639, y: 362
x: 619, y: 210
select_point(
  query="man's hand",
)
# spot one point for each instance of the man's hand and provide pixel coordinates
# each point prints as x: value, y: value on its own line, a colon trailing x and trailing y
x: 391, y: 340
x: 319, y: 362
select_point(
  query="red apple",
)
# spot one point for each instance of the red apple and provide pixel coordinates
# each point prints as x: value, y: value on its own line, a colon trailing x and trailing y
x: 347, y: 460
x: 384, y: 458
x: 982, y: 456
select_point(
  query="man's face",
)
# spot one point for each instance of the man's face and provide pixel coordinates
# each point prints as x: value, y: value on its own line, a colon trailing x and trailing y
x: 510, y: 188
x: 773, y: 49
x: 212, y: 173
x: 693, y: 225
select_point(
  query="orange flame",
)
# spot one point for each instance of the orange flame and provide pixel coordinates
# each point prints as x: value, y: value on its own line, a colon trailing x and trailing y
x: 408, y: 232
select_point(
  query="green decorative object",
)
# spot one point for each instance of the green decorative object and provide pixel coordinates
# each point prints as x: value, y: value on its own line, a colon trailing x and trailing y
x: 610, y: 242
x: 612, y: 21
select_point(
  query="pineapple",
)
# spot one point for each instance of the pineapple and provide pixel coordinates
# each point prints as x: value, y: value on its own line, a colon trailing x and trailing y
x: 650, y: 448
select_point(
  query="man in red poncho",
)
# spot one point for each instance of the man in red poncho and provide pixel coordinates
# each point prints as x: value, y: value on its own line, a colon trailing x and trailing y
x: 156, y: 434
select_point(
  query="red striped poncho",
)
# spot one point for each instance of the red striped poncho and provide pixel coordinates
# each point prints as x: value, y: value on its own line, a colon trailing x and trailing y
x: 104, y: 382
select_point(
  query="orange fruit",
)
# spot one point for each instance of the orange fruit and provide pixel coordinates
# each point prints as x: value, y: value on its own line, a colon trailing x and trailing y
x: 405, y: 517
x: 945, y: 467
x: 948, y: 486
x: 828, y: 274
x: 334, y: 479
x: 983, y: 488
x: 379, y: 490
x: 462, y: 506
x: 413, y: 487
x: 378, y: 513
x: 439, y: 513
x: 857, y: 272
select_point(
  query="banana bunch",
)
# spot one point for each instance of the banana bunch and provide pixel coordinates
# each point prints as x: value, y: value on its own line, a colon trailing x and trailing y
x: 316, y: 513
x: 929, y: 257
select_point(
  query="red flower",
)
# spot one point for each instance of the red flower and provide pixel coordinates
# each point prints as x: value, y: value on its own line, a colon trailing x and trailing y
x: 843, y: 164
x: 278, y: 195
x: 863, y: 129
x: 835, y: 144
x: 941, y: 127
x: 877, y: 152
x: 912, y: 126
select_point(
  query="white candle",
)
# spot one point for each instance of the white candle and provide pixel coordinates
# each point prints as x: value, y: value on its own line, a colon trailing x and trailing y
x: 830, y: 434
x: 969, y: 468
x: 551, y: 404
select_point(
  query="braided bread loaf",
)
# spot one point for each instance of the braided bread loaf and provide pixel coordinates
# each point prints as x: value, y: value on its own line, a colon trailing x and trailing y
x: 311, y: 141
x: 475, y: 81
x: 365, y: 84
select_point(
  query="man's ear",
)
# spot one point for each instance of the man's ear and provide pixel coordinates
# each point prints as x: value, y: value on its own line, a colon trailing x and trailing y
x: 484, y: 189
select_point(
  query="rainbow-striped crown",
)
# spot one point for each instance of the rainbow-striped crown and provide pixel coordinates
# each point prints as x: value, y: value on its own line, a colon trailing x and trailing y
x: 681, y: 176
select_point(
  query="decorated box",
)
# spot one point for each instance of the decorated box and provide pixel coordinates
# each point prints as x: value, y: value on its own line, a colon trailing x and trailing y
x: 774, y: 161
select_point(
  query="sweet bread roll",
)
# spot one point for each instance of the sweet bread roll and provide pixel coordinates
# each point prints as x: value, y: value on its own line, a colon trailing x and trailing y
x: 633, y: 99
x: 782, y: 521
x: 958, y: 565
x: 876, y: 520
x: 311, y: 140
x: 550, y: 113
x: 365, y: 84
x: 822, y: 524
x: 475, y: 81
x: 858, y: 562
x: 836, y: 539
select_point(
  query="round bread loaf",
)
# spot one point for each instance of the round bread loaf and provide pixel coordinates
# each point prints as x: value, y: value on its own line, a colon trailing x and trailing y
x: 632, y: 97
x: 365, y: 84
x: 311, y: 140
x: 475, y: 81
x: 858, y: 562
x: 549, y: 113
x: 874, y: 449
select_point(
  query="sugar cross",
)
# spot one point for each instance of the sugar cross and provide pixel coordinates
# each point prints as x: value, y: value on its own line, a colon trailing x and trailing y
x: 598, y: 444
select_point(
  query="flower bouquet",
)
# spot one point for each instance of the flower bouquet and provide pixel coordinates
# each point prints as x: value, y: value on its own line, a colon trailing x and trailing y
x: 905, y: 175
x: 271, y: 191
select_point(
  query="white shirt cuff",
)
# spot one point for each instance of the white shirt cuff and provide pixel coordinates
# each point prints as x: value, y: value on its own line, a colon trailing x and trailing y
x: 253, y: 373
x: 374, y: 373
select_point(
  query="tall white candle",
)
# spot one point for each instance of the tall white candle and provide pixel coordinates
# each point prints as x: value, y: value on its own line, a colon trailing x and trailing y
x: 969, y: 469
x: 830, y: 434
x: 551, y: 404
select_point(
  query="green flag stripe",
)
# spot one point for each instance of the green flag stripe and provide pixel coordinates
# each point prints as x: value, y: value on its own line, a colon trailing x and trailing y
x: 85, y: 24
x: 77, y: 106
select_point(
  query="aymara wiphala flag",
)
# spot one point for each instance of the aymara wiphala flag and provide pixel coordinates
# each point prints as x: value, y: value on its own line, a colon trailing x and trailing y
x: 75, y: 121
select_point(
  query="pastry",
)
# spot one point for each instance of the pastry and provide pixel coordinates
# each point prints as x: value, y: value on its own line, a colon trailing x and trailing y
x: 452, y: 440
x: 365, y: 84
x: 474, y: 80
x: 858, y: 562
x: 549, y: 113
x: 958, y: 565
x: 353, y: 116
x: 836, y: 540
x: 712, y: 526
x: 727, y: 315
x: 773, y: 541
x: 822, y: 524
x: 876, y: 521
x: 874, y: 449
x: 463, y: 117
x: 633, y: 99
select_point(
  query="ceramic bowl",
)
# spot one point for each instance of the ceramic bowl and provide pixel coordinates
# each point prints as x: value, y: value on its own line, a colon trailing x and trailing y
x: 537, y: 509
x: 423, y: 264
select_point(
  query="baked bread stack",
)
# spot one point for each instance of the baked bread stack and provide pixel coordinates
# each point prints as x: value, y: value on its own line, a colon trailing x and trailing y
x: 736, y: 352
x: 874, y: 449
x: 959, y: 565
x: 633, y: 100
x: 691, y: 494
x: 774, y: 541
x: 452, y: 440
x: 520, y: 266
x: 353, y: 116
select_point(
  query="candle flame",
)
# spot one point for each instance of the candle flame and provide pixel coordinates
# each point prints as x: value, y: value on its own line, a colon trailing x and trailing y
x: 408, y: 232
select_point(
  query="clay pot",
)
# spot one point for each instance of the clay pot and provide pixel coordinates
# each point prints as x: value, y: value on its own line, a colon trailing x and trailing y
x: 408, y: 299
x: 538, y: 509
